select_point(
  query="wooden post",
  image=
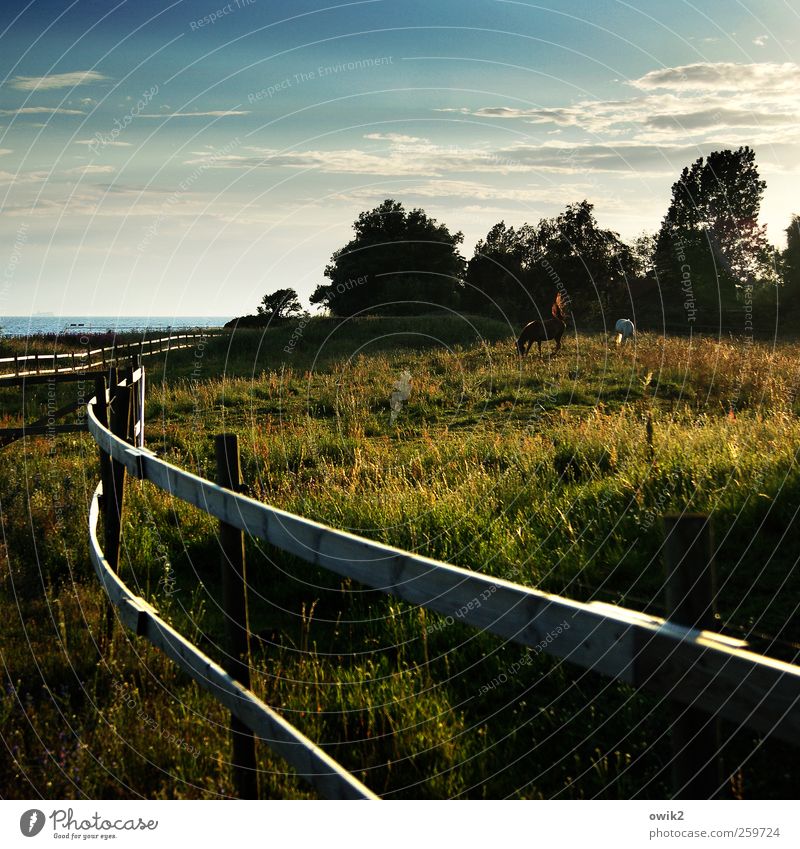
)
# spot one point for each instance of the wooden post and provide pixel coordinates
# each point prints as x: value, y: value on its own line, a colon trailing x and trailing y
x: 139, y: 393
x: 119, y: 426
x: 101, y: 412
x: 234, y: 604
x: 690, y: 601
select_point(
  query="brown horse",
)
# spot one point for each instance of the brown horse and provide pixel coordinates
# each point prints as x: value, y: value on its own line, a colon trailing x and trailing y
x: 540, y: 331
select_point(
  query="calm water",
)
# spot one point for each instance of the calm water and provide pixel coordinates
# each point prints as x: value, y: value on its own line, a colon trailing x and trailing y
x: 26, y: 325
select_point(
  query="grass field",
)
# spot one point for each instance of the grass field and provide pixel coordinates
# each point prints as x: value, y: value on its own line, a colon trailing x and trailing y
x: 539, y: 471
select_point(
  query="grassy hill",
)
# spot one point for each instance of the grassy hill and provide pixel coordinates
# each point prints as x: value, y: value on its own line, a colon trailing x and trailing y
x: 539, y: 471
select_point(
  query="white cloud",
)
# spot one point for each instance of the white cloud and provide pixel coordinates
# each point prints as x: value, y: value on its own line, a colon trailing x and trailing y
x: 53, y: 81
x: 5, y: 150
x: 8, y: 178
x: 41, y: 110
x: 105, y: 143
x: 471, y: 190
x: 760, y: 40
x: 702, y: 119
x: 424, y: 159
x: 342, y: 161
x: 220, y: 113
x: 394, y: 137
x: 723, y: 76
x: 759, y: 102
x: 83, y: 170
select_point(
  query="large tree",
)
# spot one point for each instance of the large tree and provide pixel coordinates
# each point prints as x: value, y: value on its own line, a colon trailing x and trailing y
x: 593, y: 264
x: 496, y: 274
x: 711, y: 248
x: 282, y: 303
x: 521, y: 270
x: 790, y: 266
x: 398, y: 262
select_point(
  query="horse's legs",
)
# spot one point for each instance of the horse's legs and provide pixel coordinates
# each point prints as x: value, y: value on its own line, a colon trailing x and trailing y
x: 539, y: 346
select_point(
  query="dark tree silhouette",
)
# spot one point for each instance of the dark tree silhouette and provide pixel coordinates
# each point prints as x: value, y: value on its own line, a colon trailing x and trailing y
x: 496, y: 274
x: 711, y: 247
x: 282, y: 303
x: 397, y: 263
x: 520, y: 269
x: 593, y: 264
x: 790, y: 273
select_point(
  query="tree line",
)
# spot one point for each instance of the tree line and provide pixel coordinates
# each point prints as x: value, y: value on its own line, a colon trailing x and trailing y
x: 709, y: 265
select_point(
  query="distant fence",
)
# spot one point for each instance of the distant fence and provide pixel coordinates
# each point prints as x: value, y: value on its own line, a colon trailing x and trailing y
x: 26, y: 365
x: 711, y: 674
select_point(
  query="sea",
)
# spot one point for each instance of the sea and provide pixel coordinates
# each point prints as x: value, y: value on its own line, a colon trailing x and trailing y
x: 30, y: 325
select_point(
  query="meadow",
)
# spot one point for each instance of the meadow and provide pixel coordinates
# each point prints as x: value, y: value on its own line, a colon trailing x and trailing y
x: 550, y: 472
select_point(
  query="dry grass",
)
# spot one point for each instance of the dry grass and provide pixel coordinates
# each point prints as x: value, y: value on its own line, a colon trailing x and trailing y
x: 537, y: 471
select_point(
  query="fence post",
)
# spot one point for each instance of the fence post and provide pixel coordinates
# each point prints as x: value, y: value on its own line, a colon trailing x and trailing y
x: 234, y: 604
x: 101, y: 413
x: 139, y: 391
x: 690, y: 601
x: 119, y: 425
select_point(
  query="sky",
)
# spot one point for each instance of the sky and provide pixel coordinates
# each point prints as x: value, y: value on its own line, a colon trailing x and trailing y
x: 185, y: 158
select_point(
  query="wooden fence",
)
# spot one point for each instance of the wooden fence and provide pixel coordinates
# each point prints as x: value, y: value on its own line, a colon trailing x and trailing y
x: 715, y: 676
x: 26, y: 365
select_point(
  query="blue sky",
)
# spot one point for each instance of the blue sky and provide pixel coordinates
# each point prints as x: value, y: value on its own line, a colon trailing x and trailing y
x: 185, y: 158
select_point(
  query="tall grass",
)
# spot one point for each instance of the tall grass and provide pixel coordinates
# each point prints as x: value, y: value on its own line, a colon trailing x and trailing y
x: 537, y: 471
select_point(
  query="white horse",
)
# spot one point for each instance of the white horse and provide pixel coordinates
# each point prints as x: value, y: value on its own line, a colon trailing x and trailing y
x: 625, y: 330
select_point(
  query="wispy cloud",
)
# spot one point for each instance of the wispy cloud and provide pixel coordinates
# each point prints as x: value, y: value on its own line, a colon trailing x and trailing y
x: 105, y: 143
x: 83, y: 170
x: 5, y: 150
x: 342, y: 161
x: 761, y: 40
x: 218, y: 113
x: 397, y: 138
x: 41, y: 110
x: 9, y: 178
x: 690, y: 100
x: 443, y: 190
x: 723, y: 76
x: 53, y: 81
x: 424, y: 159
